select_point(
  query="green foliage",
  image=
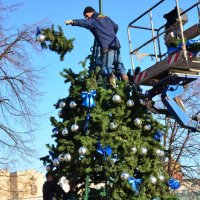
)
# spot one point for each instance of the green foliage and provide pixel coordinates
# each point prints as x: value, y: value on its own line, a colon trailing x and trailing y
x: 127, y: 134
x: 176, y: 42
x: 194, y: 47
x: 56, y: 41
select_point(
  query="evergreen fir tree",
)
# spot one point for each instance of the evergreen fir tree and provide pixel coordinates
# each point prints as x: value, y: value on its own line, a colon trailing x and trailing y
x: 107, y: 137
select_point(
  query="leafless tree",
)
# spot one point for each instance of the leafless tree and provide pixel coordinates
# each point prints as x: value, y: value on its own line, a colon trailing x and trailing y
x: 182, y: 145
x: 18, y: 90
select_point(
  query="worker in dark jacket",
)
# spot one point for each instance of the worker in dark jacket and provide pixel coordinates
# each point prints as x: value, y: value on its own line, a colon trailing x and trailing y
x: 51, y: 190
x: 104, y: 31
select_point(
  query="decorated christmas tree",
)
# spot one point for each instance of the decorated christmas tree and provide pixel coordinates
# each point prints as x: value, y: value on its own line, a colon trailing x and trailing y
x: 107, y: 144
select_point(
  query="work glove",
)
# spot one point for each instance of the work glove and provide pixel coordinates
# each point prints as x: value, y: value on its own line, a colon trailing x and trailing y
x: 68, y: 22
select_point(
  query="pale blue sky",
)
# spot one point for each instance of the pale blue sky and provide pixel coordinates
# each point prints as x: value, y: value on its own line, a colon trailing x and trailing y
x: 32, y: 11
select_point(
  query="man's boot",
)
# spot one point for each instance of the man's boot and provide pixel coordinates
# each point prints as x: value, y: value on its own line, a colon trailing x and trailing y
x: 112, y: 80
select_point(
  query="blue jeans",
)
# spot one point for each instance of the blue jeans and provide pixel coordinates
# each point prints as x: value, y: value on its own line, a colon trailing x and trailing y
x: 110, y: 59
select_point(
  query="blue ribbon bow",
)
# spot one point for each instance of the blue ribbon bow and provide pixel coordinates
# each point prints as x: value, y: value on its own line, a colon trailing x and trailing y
x: 179, y: 47
x: 158, y: 136
x: 52, y: 154
x: 55, y: 130
x: 88, y: 99
x: 189, y: 42
x: 135, y: 183
x: 87, y: 120
x: 173, y: 183
x: 106, y: 151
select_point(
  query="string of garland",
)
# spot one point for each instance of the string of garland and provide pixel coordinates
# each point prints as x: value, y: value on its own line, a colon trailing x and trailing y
x: 176, y: 44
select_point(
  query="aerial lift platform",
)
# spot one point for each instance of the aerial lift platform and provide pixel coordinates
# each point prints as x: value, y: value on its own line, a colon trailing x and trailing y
x: 172, y: 70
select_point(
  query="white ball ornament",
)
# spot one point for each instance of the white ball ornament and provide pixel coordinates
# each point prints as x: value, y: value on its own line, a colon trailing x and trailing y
x: 41, y: 38
x: 65, y: 131
x: 130, y: 103
x: 153, y: 179
x: 74, y: 128
x: 62, y: 104
x: 134, y: 150
x: 116, y: 98
x: 61, y: 157
x: 113, y: 126
x: 56, y: 162
x: 67, y: 157
x: 147, y: 127
x: 82, y: 151
x: 124, y: 176
x: 144, y: 150
x: 72, y: 104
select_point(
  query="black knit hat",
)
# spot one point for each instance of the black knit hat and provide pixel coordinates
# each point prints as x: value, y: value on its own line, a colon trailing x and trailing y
x: 88, y: 9
x: 50, y: 173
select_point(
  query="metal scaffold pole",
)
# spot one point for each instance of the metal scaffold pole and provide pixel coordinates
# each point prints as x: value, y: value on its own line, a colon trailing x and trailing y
x: 100, y: 7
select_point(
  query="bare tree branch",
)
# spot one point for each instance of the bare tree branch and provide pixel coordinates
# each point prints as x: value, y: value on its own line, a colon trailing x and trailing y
x: 19, y: 90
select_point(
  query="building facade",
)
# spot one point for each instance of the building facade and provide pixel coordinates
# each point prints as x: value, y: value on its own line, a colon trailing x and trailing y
x: 24, y: 185
x: 27, y: 185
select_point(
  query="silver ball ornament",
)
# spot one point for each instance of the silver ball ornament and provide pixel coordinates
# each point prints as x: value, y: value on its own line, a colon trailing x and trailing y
x: 156, y: 198
x: 113, y: 126
x: 161, y: 177
x: 124, y: 176
x: 153, y: 179
x: 147, y: 127
x: 137, y: 122
x: 74, y: 128
x: 144, y: 150
x: 142, y: 102
x: 56, y: 162
x: 82, y: 151
x: 72, y: 104
x: 67, y: 157
x: 198, y: 55
x: 116, y: 98
x: 162, y: 153
x: 159, y: 152
x: 61, y: 157
x: 62, y: 104
x: 41, y: 38
x: 48, y: 168
x: 65, y: 131
x: 60, y: 113
x: 130, y: 103
x: 134, y: 150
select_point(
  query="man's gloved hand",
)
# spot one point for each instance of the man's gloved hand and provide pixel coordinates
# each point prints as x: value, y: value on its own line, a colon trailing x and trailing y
x: 68, y: 22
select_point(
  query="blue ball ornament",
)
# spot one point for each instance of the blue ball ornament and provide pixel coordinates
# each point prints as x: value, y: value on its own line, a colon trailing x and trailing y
x: 173, y: 184
x: 158, y: 136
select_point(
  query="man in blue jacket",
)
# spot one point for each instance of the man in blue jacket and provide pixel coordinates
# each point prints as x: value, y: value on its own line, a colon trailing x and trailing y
x: 104, y: 31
